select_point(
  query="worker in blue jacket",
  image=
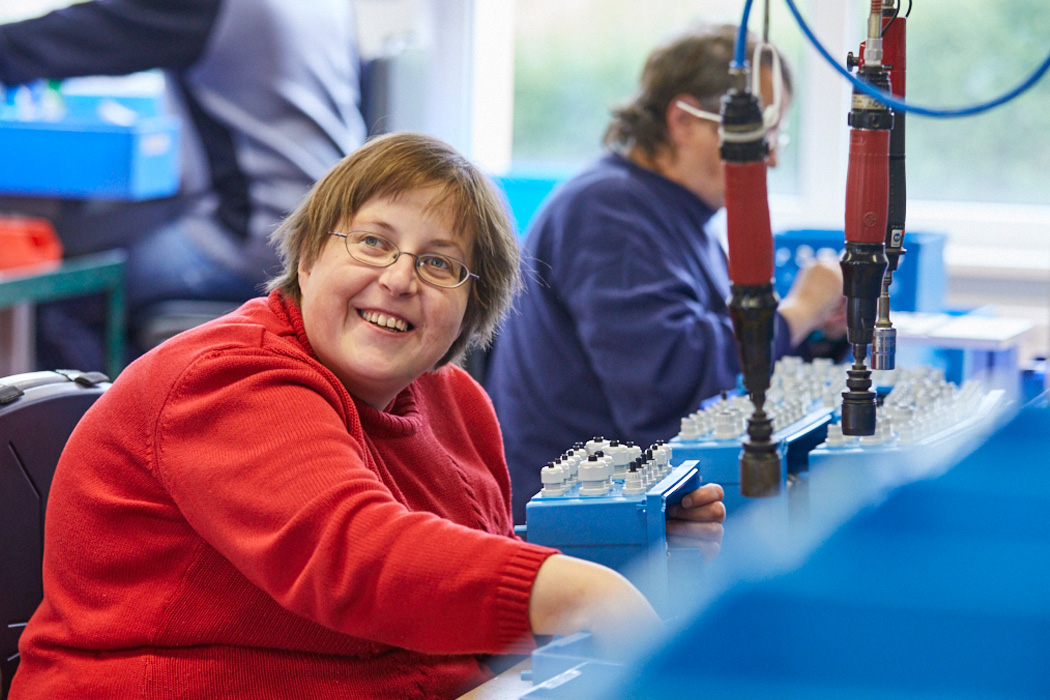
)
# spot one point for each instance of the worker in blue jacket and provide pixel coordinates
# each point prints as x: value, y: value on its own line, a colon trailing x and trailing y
x: 268, y: 92
x: 622, y: 327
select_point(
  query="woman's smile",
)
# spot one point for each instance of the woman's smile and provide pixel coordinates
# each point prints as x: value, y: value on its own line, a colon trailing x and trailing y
x: 385, y: 321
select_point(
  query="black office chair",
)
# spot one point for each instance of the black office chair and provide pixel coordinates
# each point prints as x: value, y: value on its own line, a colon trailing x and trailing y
x: 38, y: 411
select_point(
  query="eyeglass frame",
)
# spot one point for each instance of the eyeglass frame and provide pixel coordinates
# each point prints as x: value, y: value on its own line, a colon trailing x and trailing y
x: 779, y: 143
x: 398, y: 253
x: 771, y: 116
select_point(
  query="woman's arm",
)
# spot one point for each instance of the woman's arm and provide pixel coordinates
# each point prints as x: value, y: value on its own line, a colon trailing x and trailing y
x: 572, y: 595
x: 106, y: 37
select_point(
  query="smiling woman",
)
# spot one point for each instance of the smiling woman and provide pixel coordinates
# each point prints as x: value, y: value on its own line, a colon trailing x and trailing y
x: 462, y: 200
x: 378, y: 328
x: 308, y: 484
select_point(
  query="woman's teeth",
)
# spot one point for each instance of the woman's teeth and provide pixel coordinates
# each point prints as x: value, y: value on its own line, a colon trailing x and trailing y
x: 385, y: 321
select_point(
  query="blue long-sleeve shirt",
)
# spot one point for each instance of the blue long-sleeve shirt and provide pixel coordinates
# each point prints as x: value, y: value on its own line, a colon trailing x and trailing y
x: 268, y: 91
x: 622, y: 327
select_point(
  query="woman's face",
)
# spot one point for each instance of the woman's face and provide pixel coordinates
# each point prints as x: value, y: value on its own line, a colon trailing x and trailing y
x: 378, y: 328
x: 697, y: 164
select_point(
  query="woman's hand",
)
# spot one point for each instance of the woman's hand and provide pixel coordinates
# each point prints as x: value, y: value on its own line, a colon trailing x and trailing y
x: 572, y: 595
x: 697, y: 520
x: 815, y: 301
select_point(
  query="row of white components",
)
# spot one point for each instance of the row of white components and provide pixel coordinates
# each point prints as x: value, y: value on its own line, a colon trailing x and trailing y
x: 727, y: 418
x: 919, y: 406
x: 595, y: 466
x: 818, y: 382
x: 795, y: 389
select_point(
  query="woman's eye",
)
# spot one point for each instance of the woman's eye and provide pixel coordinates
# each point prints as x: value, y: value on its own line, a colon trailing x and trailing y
x: 372, y: 241
x: 438, y: 263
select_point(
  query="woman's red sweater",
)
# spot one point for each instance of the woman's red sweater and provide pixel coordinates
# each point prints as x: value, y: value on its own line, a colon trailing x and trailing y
x: 228, y: 522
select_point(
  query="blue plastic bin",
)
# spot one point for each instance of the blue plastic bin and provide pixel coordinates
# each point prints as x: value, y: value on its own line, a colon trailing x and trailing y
x: 90, y: 159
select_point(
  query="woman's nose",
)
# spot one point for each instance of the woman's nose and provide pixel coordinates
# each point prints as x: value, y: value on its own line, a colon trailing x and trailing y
x: 400, y: 276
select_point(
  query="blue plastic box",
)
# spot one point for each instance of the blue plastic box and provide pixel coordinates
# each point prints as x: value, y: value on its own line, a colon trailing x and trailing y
x: 719, y: 460
x: 90, y: 159
x: 624, y: 532
x: 918, y: 283
x: 526, y: 194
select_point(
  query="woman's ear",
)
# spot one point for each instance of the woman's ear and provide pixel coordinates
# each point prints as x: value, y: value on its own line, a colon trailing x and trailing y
x: 680, y: 123
x: 307, y: 259
x: 303, y: 270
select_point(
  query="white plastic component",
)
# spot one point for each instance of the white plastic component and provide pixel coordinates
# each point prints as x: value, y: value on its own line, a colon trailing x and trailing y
x: 835, y: 437
x: 688, y: 430
x: 907, y: 434
x: 634, y: 483
x: 569, y: 464
x: 663, y: 454
x: 874, y: 439
x: 727, y: 425
x: 596, y: 444
x: 620, y: 458
x: 593, y: 477
x: 705, y: 422
x: 552, y: 477
x: 884, y: 426
x: 609, y: 466
x: 634, y: 451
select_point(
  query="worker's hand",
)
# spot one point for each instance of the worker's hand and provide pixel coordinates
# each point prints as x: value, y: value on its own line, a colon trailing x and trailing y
x: 571, y: 595
x: 815, y: 301
x: 697, y: 521
x: 834, y: 326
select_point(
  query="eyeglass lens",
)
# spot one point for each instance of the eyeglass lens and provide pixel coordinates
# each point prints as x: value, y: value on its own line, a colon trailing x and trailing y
x: 374, y: 249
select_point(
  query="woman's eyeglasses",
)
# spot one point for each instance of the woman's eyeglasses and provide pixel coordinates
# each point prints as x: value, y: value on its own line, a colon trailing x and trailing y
x: 378, y: 251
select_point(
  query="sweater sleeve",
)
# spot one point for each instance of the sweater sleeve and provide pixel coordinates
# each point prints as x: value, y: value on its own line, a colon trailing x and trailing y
x: 269, y: 466
x: 648, y: 320
x: 106, y: 37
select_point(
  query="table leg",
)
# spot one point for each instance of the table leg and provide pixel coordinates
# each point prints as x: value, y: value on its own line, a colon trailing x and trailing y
x: 17, y: 339
x: 116, y: 311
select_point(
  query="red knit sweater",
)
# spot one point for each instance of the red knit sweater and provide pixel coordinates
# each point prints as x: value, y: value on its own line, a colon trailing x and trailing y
x: 227, y: 522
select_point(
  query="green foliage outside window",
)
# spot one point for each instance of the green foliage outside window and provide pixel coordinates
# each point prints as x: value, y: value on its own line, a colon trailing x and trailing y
x: 574, y: 60
x: 967, y: 52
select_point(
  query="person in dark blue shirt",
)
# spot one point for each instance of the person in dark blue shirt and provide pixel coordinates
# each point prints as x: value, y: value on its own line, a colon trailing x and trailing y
x: 622, y: 327
x: 268, y: 92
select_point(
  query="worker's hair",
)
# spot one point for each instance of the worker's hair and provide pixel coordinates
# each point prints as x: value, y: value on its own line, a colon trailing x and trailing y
x: 694, y: 63
x: 388, y: 166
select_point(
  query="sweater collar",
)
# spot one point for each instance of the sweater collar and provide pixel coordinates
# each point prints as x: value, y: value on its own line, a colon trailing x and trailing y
x: 400, y: 420
x: 285, y: 308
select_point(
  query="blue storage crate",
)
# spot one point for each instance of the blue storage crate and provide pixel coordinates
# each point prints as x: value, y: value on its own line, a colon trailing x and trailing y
x: 719, y: 460
x: 918, y: 283
x: 526, y: 194
x: 90, y: 159
x: 624, y: 532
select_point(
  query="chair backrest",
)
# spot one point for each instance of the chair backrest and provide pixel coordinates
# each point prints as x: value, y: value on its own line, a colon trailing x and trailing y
x: 38, y: 411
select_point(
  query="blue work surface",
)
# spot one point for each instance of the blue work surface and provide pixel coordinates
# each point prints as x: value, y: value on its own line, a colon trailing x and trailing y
x: 910, y: 585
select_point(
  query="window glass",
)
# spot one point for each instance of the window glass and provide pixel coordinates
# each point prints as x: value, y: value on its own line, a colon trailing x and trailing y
x: 968, y: 52
x: 574, y: 61
x: 15, y: 10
